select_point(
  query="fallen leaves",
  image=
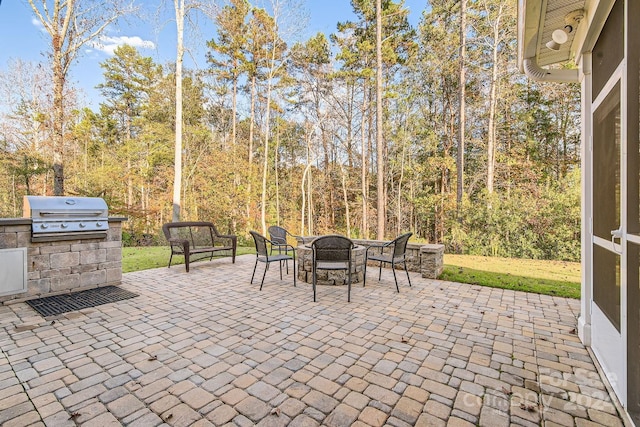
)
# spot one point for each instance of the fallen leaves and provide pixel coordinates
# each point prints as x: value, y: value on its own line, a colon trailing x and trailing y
x: 527, y: 407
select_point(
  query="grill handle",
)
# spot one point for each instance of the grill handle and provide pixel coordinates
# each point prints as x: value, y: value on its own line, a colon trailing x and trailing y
x: 71, y: 213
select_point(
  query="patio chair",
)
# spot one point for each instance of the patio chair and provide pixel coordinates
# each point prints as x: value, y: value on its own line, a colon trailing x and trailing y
x: 332, y: 252
x: 264, y: 255
x: 396, y: 256
x: 278, y: 237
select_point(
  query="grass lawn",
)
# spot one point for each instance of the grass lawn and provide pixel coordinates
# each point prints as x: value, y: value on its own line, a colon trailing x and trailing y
x: 556, y: 278
x: 146, y: 257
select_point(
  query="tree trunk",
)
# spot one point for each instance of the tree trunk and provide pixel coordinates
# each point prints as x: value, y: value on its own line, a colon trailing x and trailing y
x: 346, y: 201
x: 364, y: 166
x: 379, y: 133
x: 129, y: 182
x: 275, y: 173
x: 303, y: 182
x: 177, y: 177
x: 129, y: 165
x: 303, y: 208
x: 309, y: 202
x: 252, y: 112
x: 267, y: 121
x: 265, y: 165
x: 461, y: 113
x: 234, y: 106
x: 399, y: 196
x: 58, y: 118
x: 493, y: 102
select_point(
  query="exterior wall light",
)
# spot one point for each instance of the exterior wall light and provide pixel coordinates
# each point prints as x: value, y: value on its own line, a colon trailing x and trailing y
x: 561, y: 35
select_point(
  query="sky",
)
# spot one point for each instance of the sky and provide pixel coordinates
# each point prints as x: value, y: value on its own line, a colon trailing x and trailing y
x: 22, y: 37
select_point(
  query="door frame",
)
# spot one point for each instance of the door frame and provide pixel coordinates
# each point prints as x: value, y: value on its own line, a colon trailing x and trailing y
x: 609, y: 344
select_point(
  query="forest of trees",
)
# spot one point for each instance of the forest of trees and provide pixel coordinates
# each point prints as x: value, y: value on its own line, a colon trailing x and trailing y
x: 277, y: 130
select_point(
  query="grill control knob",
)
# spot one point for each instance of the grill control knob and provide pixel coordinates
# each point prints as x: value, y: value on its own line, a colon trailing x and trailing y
x: 82, y: 225
x: 98, y: 224
x: 63, y: 225
x: 44, y: 226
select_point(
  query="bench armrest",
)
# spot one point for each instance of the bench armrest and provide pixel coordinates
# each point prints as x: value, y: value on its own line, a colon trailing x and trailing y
x: 183, y: 243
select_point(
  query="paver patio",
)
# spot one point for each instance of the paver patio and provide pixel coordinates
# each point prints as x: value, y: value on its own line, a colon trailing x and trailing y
x: 207, y: 348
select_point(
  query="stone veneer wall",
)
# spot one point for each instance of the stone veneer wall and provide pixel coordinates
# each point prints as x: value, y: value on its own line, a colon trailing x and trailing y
x: 427, y: 259
x: 329, y: 277
x: 64, y: 266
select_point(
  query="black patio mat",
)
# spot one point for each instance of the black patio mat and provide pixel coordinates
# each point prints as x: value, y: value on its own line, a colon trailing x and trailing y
x: 58, y: 304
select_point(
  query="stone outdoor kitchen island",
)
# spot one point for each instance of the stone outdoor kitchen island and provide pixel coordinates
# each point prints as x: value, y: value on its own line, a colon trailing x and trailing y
x: 31, y: 269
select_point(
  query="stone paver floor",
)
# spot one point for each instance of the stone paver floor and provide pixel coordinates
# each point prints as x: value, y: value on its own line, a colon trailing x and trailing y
x: 207, y: 348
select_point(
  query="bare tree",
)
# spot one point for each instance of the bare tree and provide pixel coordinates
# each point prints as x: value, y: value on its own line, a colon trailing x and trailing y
x: 379, y: 133
x: 24, y: 105
x: 71, y: 24
x: 306, y: 209
x: 498, y: 20
x: 181, y: 9
x: 25, y: 125
x: 282, y: 24
x: 461, y: 106
x: 273, y: 66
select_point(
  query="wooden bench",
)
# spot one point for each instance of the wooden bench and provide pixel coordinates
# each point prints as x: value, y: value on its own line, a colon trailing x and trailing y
x: 197, y: 238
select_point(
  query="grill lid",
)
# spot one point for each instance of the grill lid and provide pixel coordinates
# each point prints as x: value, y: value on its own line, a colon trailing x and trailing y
x: 55, y: 214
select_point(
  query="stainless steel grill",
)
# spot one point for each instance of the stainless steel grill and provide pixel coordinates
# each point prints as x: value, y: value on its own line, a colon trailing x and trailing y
x: 66, y: 218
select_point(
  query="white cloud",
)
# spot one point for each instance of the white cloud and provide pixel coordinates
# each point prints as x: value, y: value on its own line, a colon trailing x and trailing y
x: 36, y: 23
x: 109, y: 44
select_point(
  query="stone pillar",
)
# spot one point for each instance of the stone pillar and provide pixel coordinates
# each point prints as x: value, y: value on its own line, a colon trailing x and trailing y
x: 431, y: 260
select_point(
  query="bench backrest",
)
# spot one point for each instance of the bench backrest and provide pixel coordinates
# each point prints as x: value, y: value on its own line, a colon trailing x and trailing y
x: 198, y: 233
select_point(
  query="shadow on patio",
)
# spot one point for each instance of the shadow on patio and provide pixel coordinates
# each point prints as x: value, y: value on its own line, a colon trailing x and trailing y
x: 207, y: 348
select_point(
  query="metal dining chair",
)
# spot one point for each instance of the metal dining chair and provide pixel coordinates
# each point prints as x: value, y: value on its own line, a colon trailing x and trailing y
x: 263, y: 254
x: 278, y: 238
x: 396, y: 256
x: 332, y: 252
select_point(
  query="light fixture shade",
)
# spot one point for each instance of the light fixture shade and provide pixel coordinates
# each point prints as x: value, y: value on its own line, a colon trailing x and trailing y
x: 558, y: 38
x: 553, y: 45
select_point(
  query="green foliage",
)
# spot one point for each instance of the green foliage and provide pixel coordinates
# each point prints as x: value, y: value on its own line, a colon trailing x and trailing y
x: 537, y: 223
